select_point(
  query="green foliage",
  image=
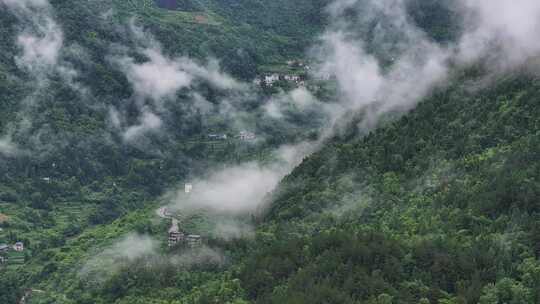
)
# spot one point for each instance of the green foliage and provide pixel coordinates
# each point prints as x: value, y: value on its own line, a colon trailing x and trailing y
x: 445, y: 183
x: 438, y: 206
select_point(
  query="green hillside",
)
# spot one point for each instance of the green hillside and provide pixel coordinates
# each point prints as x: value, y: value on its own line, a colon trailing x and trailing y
x: 402, y: 215
x: 440, y: 206
x: 436, y: 205
x: 73, y: 178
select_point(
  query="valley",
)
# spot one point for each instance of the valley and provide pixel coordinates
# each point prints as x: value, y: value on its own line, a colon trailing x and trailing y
x: 249, y: 151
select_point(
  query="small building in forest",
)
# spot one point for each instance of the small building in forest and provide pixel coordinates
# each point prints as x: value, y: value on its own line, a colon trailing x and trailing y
x: 217, y: 136
x: 294, y: 78
x: 4, y: 248
x: 175, y: 234
x: 193, y: 240
x: 176, y: 237
x: 19, y: 246
x: 245, y: 135
x: 269, y: 80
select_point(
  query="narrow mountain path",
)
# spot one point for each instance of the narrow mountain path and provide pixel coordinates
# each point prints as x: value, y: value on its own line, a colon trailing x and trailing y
x: 163, y: 212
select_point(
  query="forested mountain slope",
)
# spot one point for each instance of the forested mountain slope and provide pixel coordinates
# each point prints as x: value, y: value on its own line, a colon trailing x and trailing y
x: 70, y: 116
x: 66, y: 172
x: 401, y: 215
x: 440, y: 206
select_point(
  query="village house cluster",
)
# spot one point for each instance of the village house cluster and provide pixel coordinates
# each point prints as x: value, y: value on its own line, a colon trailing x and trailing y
x: 242, y: 135
x: 4, y: 250
x: 298, y: 79
x: 178, y: 236
x: 270, y: 80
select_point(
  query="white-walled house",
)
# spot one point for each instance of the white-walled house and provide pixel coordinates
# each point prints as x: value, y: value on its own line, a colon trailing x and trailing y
x: 19, y: 246
x: 188, y: 188
x: 194, y: 240
x: 245, y: 135
x: 294, y: 78
x: 270, y: 79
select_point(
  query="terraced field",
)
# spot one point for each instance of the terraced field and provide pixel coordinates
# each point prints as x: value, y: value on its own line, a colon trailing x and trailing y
x: 15, y: 259
x: 150, y: 9
x: 68, y: 213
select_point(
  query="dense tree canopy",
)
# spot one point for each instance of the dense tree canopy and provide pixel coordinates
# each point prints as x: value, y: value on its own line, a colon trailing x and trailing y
x: 437, y: 205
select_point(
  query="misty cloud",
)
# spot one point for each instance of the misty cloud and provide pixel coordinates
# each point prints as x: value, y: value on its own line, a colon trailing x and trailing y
x: 227, y: 195
x: 211, y: 73
x: 25, y: 4
x: 41, y: 39
x: 240, y: 189
x: 365, y: 82
x: 107, y: 262
x: 510, y: 27
x: 148, y: 122
x: 42, y: 49
x: 7, y: 147
x: 162, y: 76
x: 157, y: 78
x: 143, y: 250
x: 400, y: 64
x: 300, y: 98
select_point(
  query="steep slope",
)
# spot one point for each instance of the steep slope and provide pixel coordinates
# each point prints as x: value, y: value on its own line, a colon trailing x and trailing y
x: 72, y: 179
x: 72, y: 118
x: 440, y: 206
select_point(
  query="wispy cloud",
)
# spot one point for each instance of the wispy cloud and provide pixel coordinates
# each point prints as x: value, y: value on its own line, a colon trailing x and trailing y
x: 135, y: 248
x: 240, y: 189
x: 7, y: 147
x: 42, y: 56
x: 43, y: 49
x: 399, y: 63
x: 107, y: 262
x: 503, y: 30
x: 300, y: 99
x: 41, y: 39
x: 148, y: 122
x: 158, y: 78
x: 365, y: 82
x: 25, y: 4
